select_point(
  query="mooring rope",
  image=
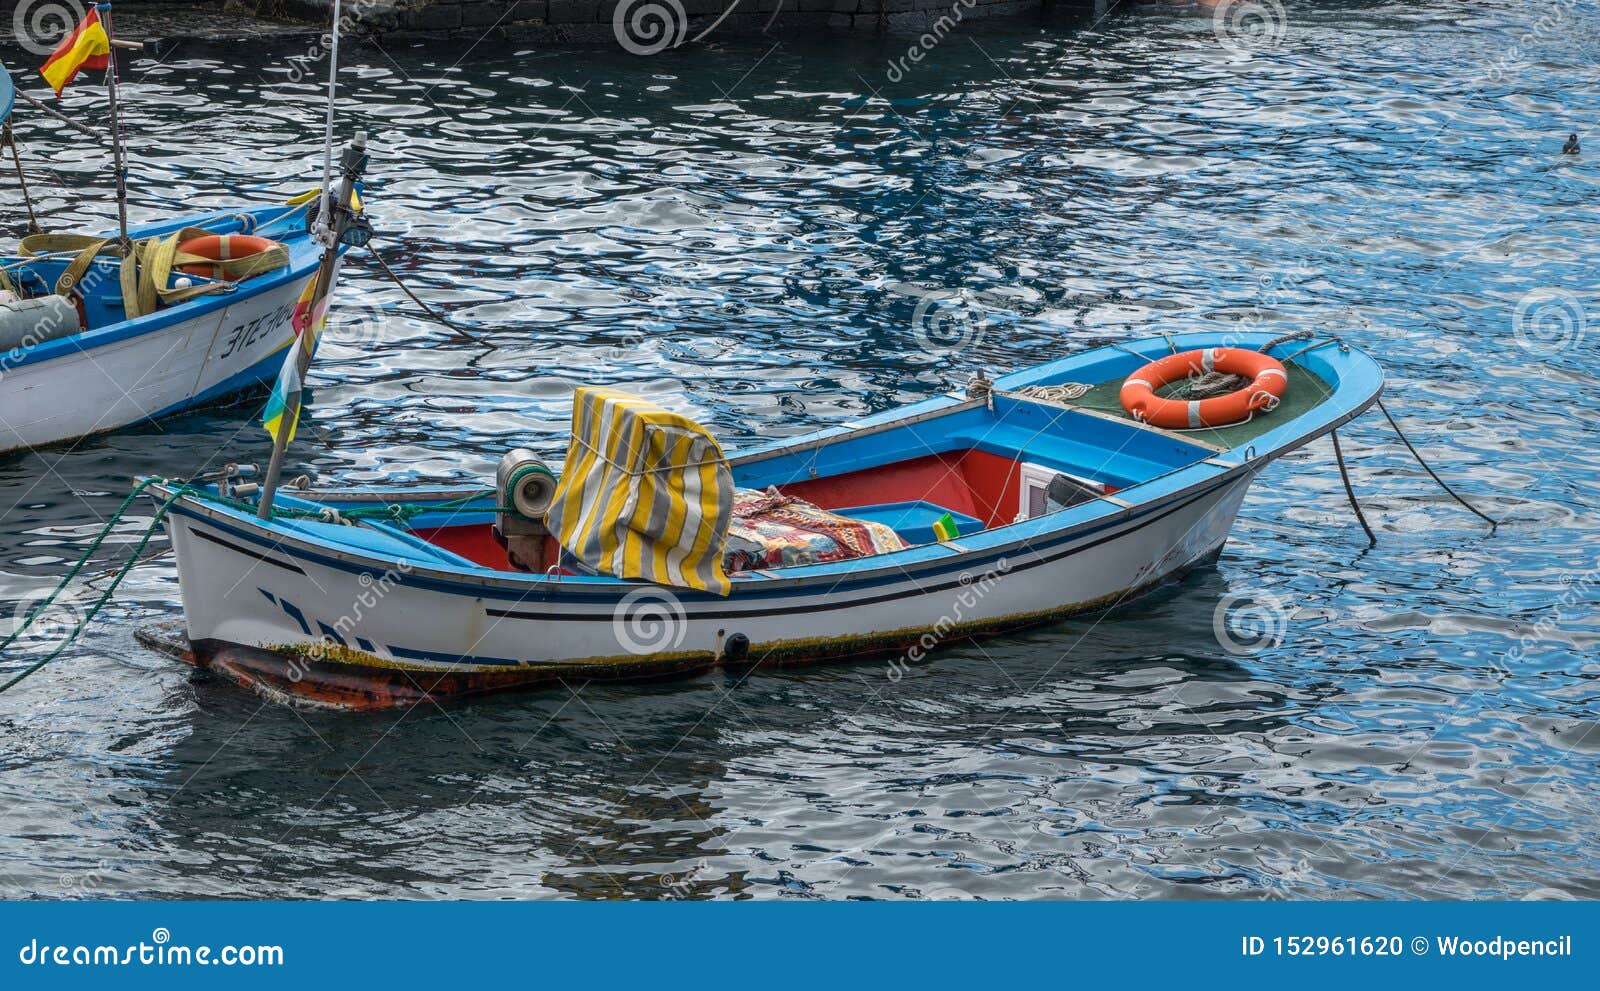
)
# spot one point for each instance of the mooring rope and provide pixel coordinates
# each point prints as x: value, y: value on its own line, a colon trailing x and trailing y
x: 178, y: 491
x: 394, y: 277
x: 1344, y: 476
x: 73, y: 572
x: 1298, y: 335
x: 1493, y: 524
x: 9, y: 140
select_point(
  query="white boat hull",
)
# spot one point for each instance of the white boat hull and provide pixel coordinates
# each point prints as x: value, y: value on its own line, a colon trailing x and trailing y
x: 147, y: 376
x: 237, y: 593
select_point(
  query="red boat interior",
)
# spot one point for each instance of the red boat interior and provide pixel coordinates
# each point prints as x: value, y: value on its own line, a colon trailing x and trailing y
x: 981, y: 489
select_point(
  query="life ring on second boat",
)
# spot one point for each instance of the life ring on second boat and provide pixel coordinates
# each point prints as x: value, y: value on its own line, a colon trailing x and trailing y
x: 238, y: 256
x: 1268, y: 380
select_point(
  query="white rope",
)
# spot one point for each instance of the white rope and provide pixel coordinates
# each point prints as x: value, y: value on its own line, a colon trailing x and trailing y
x: 1063, y: 393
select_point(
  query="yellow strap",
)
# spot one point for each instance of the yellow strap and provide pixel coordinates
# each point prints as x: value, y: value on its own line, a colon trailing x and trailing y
x: 145, y: 273
x: 311, y: 194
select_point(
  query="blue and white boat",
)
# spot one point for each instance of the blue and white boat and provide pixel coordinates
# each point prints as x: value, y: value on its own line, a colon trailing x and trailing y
x: 208, y: 310
x: 75, y: 364
x: 1029, y: 498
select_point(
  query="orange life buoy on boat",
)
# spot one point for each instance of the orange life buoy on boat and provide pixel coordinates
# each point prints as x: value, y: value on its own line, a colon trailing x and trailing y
x: 222, y: 247
x: 1268, y: 380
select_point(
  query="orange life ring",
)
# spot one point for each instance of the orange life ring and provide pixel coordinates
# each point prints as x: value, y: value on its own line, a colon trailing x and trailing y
x: 1268, y: 380
x: 222, y: 247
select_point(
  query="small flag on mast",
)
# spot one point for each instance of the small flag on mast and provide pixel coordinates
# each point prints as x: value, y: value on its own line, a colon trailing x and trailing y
x: 308, y: 319
x: 88, y: 47
x: 277, y: 411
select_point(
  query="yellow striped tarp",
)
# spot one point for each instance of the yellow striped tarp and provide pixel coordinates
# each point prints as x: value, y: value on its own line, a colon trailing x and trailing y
x: 645, y: 493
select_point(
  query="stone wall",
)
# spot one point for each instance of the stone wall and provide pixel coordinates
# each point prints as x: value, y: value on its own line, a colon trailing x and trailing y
x: 651, y: 26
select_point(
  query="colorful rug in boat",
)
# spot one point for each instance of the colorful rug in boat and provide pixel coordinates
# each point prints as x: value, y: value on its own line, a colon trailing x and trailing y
x: 773, y: 530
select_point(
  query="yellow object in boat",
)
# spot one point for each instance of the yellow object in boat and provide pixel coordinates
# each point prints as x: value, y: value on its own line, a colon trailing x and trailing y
x: 311, y: 194
x: 645, y: 493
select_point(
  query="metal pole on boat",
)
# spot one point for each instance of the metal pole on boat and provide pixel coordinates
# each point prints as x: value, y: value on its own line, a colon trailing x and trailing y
x: 330, y: 228
x: 333, y: 227
x: 118, y: 138
x: 325, y: 216
x: 351, y: 165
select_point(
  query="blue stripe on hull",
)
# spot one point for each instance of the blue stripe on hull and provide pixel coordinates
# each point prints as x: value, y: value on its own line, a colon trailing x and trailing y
x: 743, y: 593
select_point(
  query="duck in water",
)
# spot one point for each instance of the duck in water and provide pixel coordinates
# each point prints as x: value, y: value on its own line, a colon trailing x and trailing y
x: 1571, y: 147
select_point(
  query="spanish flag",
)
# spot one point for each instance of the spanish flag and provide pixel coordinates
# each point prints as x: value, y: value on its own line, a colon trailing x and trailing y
x: 89, y: 47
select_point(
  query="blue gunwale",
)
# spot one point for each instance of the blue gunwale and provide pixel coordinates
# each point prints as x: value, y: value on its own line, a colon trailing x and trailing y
x: 1355, y: 378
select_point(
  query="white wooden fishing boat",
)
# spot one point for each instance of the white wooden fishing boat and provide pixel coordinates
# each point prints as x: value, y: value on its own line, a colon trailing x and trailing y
x: 76, y: 365
x: 964, y: 515
x: 99, y: 332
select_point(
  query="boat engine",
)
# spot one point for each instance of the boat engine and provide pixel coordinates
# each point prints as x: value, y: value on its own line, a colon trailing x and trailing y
x: 524, y: 488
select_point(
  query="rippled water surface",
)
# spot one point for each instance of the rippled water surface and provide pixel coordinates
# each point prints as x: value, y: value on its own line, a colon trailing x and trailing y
x: 740, y: 232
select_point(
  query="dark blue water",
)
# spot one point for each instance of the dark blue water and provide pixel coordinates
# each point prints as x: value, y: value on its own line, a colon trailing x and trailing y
x: 743, y: 232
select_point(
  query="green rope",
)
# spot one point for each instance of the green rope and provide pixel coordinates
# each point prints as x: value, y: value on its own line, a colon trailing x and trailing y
x: 83, y: 562
x: 394, y: 512
x: 105, y: 596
